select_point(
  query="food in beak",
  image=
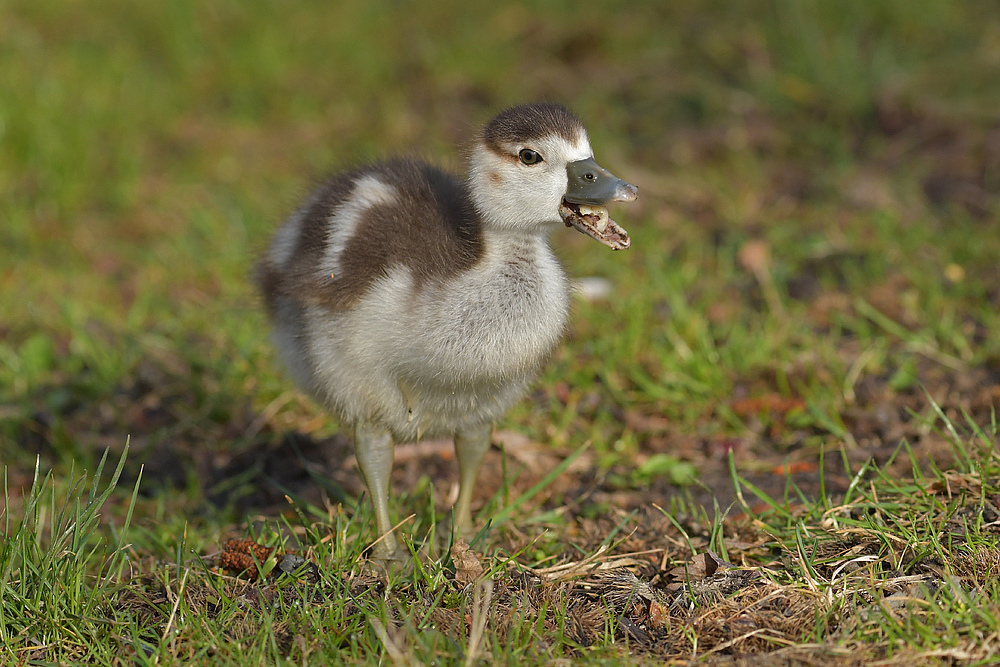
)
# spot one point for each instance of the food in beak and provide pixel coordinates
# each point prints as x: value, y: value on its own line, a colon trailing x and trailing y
x: 595, y: 222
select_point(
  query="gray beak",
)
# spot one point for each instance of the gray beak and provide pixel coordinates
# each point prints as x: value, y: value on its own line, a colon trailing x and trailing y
x: 593, y: 185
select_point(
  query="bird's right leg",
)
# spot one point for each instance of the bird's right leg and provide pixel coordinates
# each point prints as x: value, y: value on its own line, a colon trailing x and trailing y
x: 471, y: 445
x: 374, y: 448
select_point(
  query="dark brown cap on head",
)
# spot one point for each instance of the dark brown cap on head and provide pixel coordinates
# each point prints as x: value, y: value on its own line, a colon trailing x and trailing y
x: 522, y: 124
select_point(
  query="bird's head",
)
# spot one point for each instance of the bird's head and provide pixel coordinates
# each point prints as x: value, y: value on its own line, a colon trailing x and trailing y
x: 532, y: 166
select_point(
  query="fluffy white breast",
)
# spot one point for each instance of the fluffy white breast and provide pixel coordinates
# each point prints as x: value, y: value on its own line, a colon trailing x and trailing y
x: 456, y: 352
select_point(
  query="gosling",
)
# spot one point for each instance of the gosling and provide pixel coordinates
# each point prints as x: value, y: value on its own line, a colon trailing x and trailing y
x: 414, y: 303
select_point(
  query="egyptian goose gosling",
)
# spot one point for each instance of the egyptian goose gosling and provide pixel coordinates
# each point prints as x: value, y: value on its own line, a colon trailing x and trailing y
x: 414, y: 303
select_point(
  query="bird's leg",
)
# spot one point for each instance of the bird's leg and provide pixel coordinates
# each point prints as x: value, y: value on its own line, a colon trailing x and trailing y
x: 471, y: 445
x: 374, y: 448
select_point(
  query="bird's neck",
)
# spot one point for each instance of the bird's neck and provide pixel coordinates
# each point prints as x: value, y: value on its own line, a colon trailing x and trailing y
x: 506, y: 245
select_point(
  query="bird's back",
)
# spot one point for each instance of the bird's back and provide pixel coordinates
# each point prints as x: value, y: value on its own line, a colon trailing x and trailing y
x: 360, y: 224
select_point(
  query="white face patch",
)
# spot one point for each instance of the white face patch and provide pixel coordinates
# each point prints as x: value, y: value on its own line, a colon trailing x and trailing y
x: 524, y: 196
x: 368, y: 191
x: 581, y: 150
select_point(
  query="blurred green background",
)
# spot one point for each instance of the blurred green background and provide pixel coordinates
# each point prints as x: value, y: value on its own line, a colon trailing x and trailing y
x: 817, y: 222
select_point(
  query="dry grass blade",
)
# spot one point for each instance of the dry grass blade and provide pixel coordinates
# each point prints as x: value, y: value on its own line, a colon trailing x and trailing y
x: 591, y: 564
x: 393, y: 530
x: 395, y: 654
x: 480, y: 614
x: 178, y: 596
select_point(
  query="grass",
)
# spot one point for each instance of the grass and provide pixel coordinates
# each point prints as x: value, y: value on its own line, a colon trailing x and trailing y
x: 893, y: 571
x: 812, y: 290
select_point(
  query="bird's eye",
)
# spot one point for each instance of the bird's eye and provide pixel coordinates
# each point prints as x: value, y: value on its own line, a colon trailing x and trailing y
x: 590, y: 176
x: 529, y: 156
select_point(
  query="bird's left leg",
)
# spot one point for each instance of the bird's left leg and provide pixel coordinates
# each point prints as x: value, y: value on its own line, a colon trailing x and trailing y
x: 374, y: 448
x: 471, y: 445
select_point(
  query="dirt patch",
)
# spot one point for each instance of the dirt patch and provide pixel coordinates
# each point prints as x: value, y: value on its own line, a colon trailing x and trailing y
x: 249, y: 465
x: 645, y: 593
